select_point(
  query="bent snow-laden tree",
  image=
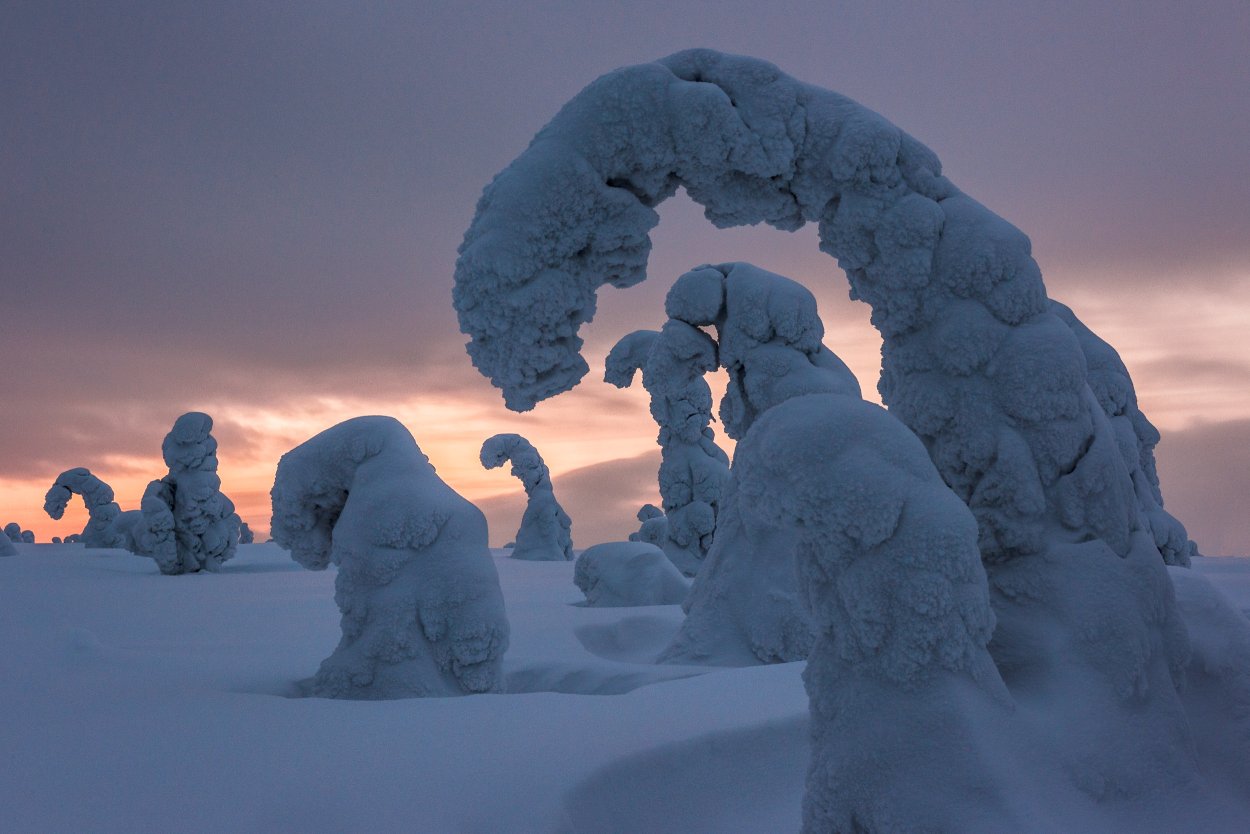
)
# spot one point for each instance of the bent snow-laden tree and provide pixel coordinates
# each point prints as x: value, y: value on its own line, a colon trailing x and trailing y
x: 903, y: 693
x: 147, y: 531
x: 974, y: 361
x: 107, y: 525
x: 205, y: 529
x: 545, y: 533
x: 743, y: 607
x: 422, y: 610
x: 693, y: 469
x: 1137, y: 437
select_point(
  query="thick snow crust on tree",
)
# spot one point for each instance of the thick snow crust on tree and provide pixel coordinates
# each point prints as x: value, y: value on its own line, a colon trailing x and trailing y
x: 900, y: 681
x: 694, y: 471
x: 545, y: 534
x: 653, y: 527
x: 14, y: 533
x: 1135, y: 435
x: 191, y: 524
x: 422, y: 611
x: 974, y: 360
x: 615, y: 574
x: 246, y: 536
x: 6, y: 546
x: 744, y: 605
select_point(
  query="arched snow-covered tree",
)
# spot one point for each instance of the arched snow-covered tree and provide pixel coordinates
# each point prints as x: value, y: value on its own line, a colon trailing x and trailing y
x: 693, y: 469
x: 974, y: 360
x: 422, y: 610
x: 545, y: 534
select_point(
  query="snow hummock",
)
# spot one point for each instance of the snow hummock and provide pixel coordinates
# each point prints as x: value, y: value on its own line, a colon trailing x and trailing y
x: 422, y: 611
x: 628, y: 574
x: 546, y: 531
x: 693, y: 469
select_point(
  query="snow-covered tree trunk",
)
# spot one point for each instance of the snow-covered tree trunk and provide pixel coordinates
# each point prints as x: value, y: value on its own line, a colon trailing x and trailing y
x: 545, y: 534
x: 422, y: 610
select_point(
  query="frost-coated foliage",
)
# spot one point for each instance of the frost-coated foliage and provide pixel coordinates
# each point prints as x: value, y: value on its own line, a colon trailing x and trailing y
x: 899, y: 679
x: 205, y: 527
x: 1135, y: 435
x: 545, y: 533
x: 693, y: 469
x: 974, y: 360
x: 246, y: 536
x: 422, y: 610
x: 744, y: 606
x: 628, y: 573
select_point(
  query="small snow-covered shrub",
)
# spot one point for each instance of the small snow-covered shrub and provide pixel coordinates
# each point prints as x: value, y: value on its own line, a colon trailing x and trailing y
x: 246, y: 536
x: 616, y: 574
x: 422, y: 610
x: 6, y: 547
x: 545, y: 533
x: 13, y: 532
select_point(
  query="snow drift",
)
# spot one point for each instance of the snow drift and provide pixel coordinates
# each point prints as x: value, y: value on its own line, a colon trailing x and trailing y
x: 422, y: 610
x: 616, y: 574
x: 545, y: 532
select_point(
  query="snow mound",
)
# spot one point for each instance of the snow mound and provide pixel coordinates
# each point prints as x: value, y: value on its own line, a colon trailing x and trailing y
x: 422, y: 610
x: 545, y: 533
x: 617, y: 574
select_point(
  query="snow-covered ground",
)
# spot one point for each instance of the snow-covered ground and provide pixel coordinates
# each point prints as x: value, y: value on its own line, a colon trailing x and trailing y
x: 135, y: 702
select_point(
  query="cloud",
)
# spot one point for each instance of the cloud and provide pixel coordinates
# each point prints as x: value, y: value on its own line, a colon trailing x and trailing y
x: 1205, y: 474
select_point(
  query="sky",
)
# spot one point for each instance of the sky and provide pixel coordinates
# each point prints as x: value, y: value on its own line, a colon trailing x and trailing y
x: 252, y: 209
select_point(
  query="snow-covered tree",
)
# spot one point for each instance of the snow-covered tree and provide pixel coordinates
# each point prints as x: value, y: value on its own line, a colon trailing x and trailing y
x: 246, y: 536
x: 422, y: 610
x: 693, y: 469
x: 103, y: 512
x: 545, y: 532
x: 974, y: 360
x: 901, y: 686
x: 13, y: 532
x: 1109, y: 380
x: 653, y: 527
x: 744, y: 607
x: 627, y: 574
x: 205, y: 529
x: 6, y: 546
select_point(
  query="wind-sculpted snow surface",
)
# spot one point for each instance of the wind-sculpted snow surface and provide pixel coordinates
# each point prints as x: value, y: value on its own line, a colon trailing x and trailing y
x: 545, y: 532
x: 1136, y: 436
x: 901, y: 686
x: 694, y: 471
x: 422, y: 610
x: 205, y: 529
x: 974, y: 361
x: 616, y: 574
x: 744, y: 606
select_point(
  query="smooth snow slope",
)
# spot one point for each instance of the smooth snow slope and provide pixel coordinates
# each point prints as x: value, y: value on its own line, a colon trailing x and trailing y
x: 132, y: 702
